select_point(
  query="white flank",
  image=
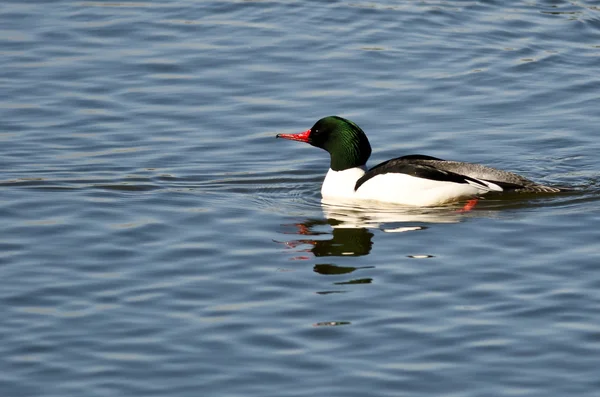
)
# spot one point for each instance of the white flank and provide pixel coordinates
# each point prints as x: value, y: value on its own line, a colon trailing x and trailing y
x: 399, y: 188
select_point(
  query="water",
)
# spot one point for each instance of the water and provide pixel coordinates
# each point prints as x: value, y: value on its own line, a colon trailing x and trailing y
x: 157, y: 239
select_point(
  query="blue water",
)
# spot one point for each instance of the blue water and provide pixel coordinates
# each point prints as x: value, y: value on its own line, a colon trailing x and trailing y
x: 157, y: 240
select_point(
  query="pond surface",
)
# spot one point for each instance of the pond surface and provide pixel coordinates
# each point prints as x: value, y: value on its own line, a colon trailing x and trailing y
x: 157, y: 240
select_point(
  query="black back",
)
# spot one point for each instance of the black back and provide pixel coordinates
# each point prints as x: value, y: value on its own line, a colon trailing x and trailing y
x: 407, y: 165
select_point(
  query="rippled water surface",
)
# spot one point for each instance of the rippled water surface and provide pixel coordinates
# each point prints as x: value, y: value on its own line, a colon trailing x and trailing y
x: 158, y: 241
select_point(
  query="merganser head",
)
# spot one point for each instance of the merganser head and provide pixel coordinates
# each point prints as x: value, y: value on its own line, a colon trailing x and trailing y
x: 345, y: 141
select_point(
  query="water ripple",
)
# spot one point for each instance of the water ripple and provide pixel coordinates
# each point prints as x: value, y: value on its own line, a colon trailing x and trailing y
x: 157, y: 239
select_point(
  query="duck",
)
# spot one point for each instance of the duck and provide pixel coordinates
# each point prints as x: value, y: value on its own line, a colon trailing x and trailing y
x: 411, y: 180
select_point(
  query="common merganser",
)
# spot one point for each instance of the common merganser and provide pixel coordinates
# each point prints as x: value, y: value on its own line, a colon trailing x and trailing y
x: 415, y: 180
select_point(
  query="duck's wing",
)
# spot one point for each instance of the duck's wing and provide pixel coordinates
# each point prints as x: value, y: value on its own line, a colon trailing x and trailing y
x: 425, y: 167
x: 506, y: 181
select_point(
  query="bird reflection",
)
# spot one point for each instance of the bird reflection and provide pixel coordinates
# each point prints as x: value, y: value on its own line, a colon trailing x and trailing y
x: 350, y: 229
x: 330, y: 269
x: 388, y: 217
x: 343, y: 241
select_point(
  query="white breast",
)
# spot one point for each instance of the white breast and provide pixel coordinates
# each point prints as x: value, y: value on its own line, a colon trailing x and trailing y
x: 340, y: 184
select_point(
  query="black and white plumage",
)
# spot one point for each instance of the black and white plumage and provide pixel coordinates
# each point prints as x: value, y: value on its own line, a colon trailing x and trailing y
x: 417, y: 180
x: 458, y: 172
